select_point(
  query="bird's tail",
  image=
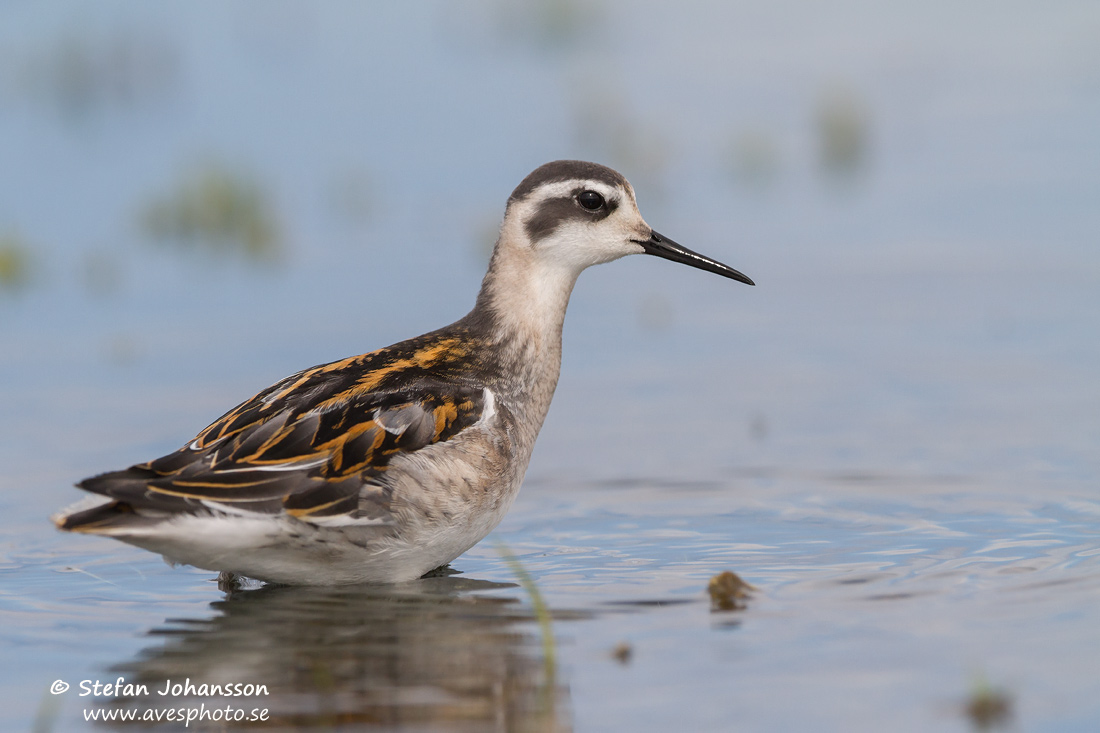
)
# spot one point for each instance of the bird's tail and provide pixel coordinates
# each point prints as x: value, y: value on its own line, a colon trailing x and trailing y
x: 99, y: 515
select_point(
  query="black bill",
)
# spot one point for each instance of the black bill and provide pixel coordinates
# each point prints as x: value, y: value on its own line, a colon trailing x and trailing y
x: 664, y: 247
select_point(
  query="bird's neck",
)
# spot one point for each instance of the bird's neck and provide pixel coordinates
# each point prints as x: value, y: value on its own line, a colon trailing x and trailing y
x: 524, y: 299
x: 521, y: 310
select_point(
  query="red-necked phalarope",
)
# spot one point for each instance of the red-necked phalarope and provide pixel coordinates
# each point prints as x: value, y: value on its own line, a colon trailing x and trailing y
x: 381, y: 467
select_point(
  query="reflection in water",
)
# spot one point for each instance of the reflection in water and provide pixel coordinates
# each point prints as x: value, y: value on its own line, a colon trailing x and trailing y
x: 431, y: 655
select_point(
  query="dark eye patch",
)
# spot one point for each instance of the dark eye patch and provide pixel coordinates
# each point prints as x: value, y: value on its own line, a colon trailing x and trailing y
x: 551, y: 213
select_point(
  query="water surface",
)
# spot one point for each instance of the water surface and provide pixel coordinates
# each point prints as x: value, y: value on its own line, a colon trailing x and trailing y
x: 893, y: 437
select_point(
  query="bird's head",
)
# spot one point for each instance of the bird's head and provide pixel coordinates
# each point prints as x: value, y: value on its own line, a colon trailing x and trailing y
x: 571, y: 215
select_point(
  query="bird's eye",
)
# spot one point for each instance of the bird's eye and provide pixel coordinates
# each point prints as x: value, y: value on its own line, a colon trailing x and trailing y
x: 590, y: 200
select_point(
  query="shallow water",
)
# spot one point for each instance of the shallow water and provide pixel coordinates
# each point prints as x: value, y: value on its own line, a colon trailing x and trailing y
x: 893, y: 437
x: 878, y: 601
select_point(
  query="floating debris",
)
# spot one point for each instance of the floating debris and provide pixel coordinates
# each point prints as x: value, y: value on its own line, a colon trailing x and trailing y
x: 987, y: 707
x: 728, y: 592
x: 218, y: 208
x: 623, y: 652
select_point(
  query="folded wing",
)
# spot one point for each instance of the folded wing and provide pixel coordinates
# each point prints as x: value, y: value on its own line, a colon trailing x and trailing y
x: 314, y: 449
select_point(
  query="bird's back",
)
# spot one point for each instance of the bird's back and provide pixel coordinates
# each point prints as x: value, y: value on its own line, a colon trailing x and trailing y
x: 324, y: 446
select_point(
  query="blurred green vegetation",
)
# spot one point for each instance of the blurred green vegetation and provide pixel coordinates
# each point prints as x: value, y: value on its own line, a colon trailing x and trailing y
x: 755, y: 158
x: 486, y: 232
x: 351, y: 196
x: 843, y: 129
x: 607, y: 128
x: 49, y: 709
x: 548, y: 24
x: 102, y: 273
x: 546, y: 718
x: 217, y: 208
x: 15, y: 262
x: 79, y: 73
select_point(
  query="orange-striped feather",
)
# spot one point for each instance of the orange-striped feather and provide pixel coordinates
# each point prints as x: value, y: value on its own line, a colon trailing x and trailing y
x: 312, y: 444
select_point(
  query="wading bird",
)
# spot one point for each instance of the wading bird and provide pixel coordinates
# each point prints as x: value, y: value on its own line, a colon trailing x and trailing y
x: 381, y: 467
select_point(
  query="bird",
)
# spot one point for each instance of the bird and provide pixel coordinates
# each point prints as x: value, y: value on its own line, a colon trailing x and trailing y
x: 383, y: 467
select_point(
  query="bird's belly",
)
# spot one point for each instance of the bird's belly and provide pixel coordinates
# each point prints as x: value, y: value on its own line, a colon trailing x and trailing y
x: 447, y: 500
x: 290, y: 551
x: 443, y: 502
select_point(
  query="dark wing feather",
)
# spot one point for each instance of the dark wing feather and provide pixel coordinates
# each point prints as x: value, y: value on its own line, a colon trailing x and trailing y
x: 316, y: 443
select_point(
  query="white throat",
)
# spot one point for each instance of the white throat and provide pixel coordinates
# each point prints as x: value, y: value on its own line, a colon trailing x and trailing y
x: 527, y: 293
